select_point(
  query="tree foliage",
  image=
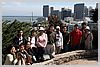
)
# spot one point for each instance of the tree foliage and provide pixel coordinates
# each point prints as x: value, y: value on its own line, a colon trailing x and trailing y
x: 9, y: 31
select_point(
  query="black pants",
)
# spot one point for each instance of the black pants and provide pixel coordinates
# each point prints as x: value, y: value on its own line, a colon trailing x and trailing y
x: 75, y: 47
x: 82, y: 46
x: 35, y: 54
x: 40, y: 54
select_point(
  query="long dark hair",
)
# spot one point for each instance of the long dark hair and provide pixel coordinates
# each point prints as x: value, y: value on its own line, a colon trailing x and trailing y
x: 9, y: 48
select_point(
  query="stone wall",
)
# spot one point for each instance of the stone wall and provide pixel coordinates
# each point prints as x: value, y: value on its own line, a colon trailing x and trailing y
x: 69, y: 56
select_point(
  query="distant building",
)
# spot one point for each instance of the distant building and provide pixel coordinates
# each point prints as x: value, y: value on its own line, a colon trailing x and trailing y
x: 79, y: 11
x: 86, y: 11
x: 66, y: 13
x: 45, y: 10
x: 69, y: 19
x: 51, y: 10
x: 89, y: 11
x: 57, y: 13
x: 96, y: 5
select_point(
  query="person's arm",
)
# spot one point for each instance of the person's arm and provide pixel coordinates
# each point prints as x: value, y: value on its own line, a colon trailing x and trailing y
x: 46, y: 40
x: 61, y: 41
x: 68, y: 38
x: 91, y: 37
x: 80, y: 37
x: 71, y: 38
x: 28, y: 39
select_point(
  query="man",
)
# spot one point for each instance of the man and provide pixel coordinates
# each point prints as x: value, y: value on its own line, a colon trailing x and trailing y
x: 50, y: 48
x: 82, y: 45
x: 76, y: 36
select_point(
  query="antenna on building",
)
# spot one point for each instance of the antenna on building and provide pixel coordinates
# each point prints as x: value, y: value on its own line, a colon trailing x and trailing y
x: 32, y: 16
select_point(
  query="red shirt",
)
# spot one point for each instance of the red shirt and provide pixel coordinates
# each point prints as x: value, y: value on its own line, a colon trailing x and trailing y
x: 76, y: 37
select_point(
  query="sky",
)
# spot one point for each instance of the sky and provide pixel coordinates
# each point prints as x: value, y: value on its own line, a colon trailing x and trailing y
x: 26, y: 7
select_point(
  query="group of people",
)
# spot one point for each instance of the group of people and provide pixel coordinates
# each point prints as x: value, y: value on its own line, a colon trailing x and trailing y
x: 52, y: 41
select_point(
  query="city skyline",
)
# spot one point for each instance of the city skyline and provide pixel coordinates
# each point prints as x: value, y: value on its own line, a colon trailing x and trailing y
x: 26, y: 9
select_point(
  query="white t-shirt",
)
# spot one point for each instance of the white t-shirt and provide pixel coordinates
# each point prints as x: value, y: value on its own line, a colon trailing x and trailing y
x: 32, y: 41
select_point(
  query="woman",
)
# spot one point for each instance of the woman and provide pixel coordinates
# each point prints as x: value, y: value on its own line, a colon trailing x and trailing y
x: 88, y: 38
x: 32, y: 41
x: 41, y: 43
x: 11, y: 56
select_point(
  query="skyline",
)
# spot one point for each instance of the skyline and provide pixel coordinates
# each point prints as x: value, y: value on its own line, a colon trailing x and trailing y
x: 26, y: 8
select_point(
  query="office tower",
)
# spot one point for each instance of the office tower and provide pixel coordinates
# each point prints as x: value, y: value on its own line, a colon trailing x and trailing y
x: 51, y: 10
x: 66, y: 13
x: 79, y: 11
x: 85, y: 11
x: 45, y: 10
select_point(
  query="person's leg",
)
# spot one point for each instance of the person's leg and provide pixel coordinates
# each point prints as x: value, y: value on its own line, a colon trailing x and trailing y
x: 47, y: 49
x: 77, y: 47
x: 34, y: 54
x: 58, y: 50
x: 66, y: 48
x: 51, y: 51
x: 41, y: 53
x: 38, y: 54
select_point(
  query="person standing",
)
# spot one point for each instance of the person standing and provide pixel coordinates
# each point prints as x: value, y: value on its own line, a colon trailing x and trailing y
x: 32, y: 41
x: 41, y: 43
x: 19, y: 39
x: 88, y: 38
x: 76, y: 36
x: 50, y: 48
x: 59, y: 40
x: 82, y: 45
x: 66, y: 39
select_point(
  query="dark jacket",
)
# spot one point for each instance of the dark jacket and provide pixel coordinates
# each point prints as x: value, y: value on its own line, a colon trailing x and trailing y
x: 51, y: 37
x: 16, y: 41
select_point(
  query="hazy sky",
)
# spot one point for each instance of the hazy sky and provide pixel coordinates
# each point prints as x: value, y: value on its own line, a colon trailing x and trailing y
x: 26, y: 7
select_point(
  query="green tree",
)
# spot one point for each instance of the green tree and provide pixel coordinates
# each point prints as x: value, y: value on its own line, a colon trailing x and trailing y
x: 9, y: 31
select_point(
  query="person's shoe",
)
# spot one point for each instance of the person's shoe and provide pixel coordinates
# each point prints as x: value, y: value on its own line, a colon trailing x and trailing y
x: 51, y: 56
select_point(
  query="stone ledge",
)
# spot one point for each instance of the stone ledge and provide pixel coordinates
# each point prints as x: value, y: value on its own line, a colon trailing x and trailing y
x: 69, y: 56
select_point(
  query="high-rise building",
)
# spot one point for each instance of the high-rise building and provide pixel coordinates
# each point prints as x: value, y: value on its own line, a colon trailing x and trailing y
x: 86, y: 11
x: 45, y: 10
x: 66, y: 13
x: 96, y: 5
x: 51, y: 10
x: 57, y: 13
x: 79, y: 11
x: 89, y: 11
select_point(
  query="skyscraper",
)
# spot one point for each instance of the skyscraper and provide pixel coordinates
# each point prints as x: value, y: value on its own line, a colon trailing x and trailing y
x: 86, y: 11
x: 57, y: 13
x: 89, y: 11
x: 79, y: 11
x: 66, y: 13
x: 45, y: 10
x: 96, y: 5
x: 51, y: 10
